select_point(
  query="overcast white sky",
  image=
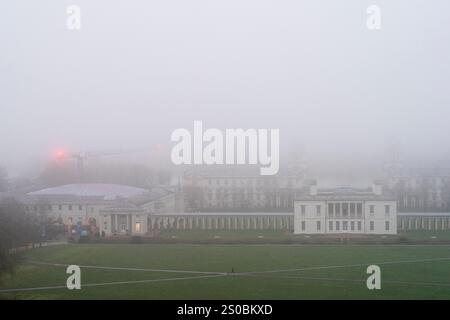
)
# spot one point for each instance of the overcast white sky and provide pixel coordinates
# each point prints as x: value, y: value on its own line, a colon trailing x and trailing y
x: 139, y: 69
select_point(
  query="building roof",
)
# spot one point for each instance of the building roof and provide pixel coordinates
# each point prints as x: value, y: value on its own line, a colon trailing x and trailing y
x: 345, y: 194
x: 227, y: 214
x: 151, y: 195
x: 423, y: 214
x: 103, y: 190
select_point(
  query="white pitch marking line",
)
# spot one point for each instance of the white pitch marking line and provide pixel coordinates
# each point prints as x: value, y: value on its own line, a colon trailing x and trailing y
x: 111, y: 283
x: 361, y: 281
x: 344, y: 266
x: 127, y: 269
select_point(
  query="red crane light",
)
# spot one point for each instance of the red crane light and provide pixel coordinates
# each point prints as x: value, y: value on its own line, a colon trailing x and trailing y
x: 60, y: 155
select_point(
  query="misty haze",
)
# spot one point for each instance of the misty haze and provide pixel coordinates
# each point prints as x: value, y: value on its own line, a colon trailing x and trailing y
x: 339, y: 94
x: 322, y: 122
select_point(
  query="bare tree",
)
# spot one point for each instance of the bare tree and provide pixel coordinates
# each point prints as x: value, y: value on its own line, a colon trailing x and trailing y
x: 4, y: 183
x: 17, y: 228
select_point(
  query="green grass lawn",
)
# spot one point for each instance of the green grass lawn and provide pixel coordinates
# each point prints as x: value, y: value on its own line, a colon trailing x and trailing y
x: 279, y: 235
x: 427, y: 234
x: 225, y: 234
x: 344, y: 277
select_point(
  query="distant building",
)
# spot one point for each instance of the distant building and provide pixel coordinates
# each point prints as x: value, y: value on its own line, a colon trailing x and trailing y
x: 237, y: 191
x: 103, y: 208
x: 110, y: 210
x: 345, y: 211
x: 419, y: 189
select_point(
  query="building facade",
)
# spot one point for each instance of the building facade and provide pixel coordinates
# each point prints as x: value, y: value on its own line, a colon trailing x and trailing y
x: 112, y: 210
x: 345, y: 211
x: 104, y: 209
x: 240, y: 191
x: 423, y: 221
x: 418, y: 189
x: 222, y: 221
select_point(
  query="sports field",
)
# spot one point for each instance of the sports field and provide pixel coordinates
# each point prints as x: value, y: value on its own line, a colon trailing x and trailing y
x: 143, y: 271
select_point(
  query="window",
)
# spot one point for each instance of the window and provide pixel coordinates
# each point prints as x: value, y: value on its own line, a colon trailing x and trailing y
x: 303, y: 225
x: 386, y: 225
x: 359, y: 209
x: 137, y: 227
x: 372, y: 209
x: 318, y: 210
x: 330, y: 209
x: 345, y: 209
x: 338, y: 225
x: 352, y: 225
x: 60, y: 207
x: 337, y: 209
x: 318, y: 225
x: 70, y: 207
x: 80, y: 207
x: 345, y: 225
x: 372, y: 225
x: 352, y: 209
x: 330, y: 225
x: 303, y: 209
x: 387, y: 209
x: 359, y: 225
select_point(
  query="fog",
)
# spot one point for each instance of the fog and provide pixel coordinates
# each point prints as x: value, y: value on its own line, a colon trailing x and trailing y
x: 342, y: 96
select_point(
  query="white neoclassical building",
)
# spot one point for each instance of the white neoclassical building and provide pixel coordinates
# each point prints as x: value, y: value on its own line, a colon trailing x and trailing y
x: 107, y: 209
x: 122, y: 210
x: 345, y: 211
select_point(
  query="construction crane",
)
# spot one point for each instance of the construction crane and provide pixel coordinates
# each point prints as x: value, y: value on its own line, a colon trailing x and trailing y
x: 81, y: 157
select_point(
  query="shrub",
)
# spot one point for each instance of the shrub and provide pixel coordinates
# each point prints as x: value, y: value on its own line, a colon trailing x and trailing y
x: 136, y: 239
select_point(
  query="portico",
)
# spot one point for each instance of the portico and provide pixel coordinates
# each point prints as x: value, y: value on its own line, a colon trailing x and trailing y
x: 123, y: 219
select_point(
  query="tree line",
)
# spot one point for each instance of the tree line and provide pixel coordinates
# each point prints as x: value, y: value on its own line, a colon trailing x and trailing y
x: 17, y: 229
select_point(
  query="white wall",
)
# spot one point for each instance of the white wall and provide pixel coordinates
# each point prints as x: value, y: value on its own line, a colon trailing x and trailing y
x: 310, y: 217
x: 379, y: 218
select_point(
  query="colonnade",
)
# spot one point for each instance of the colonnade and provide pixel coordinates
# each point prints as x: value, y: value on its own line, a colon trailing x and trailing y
x: 423, y: 222
x: 241, y: 222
